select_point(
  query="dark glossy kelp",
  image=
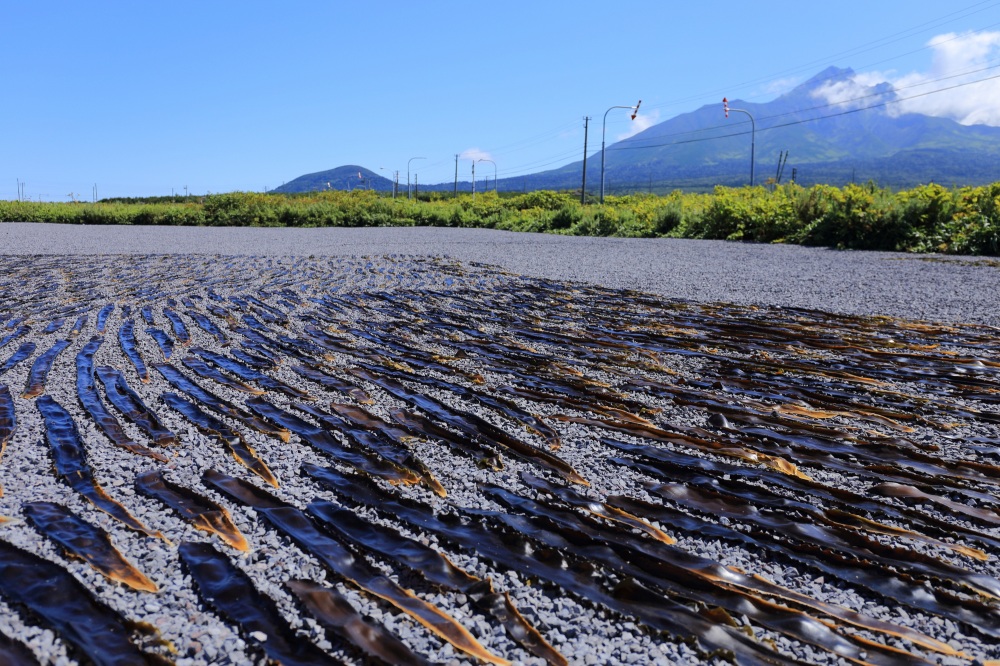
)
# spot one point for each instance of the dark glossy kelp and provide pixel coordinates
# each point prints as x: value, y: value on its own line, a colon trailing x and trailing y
x: 339, y: 559
x: 40, y: 370
x: 206, y: 371
x: 219, y: 430
x: 14, y: 335
x: 178, y: 380
x: 131, y: 405
x: 90, y: 400
x: 247, y: 373
x: 201, y: 512
x: 80, y: 539
x: 423, y: 560
x: 179, y: 327
x: 71, y: 464
x: 126, y: 337
x: 473, y: 426
x: 24, y: 351
x: 511, y: 549
x: 102, y: 317
x: 163, y: 341
x: 338, y: 447
x: 15, y: 653
x: 50, y: 593
x: 337, y: 615
x: 232, y: 595
x: 207, y: 325
x: 367, y: 433
x: 8, y: 417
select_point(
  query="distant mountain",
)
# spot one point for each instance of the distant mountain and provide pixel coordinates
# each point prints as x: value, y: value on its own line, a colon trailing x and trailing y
x: 350, y: 177
x: 826, y: 143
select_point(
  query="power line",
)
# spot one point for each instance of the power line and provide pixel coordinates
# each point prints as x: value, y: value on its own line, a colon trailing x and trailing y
x: 863, y: 48
x: 809, y: 120
x: 638, y: 142
x: 970, y: 10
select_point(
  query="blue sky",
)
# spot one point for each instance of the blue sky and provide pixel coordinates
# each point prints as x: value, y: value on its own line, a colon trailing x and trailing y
x: 142, y: 98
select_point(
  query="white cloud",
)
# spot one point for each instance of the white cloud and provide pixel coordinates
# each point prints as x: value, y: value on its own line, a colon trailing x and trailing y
x: 954, y: 61
x: 781, y: 86
x: 643, y: 121
x: 852, y: 93
x: 475, y: 154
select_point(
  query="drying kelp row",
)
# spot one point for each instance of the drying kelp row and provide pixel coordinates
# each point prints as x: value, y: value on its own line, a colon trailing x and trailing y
x: 400, y: 460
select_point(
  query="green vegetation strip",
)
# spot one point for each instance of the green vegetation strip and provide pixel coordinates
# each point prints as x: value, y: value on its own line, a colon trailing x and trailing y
x: 929, y: 218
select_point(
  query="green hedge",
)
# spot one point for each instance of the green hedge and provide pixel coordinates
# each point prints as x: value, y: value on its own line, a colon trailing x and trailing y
x: 930, y: 218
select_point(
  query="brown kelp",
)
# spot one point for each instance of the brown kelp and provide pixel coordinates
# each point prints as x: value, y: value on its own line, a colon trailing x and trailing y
x: 87, y: 542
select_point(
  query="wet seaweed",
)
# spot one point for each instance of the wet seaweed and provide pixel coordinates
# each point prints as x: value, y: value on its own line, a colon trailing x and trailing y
x: 35, y: 385
x: 131, y: 405
x: 89, y: 543
x: 90, y: 400
x: 163, y: 341
x: 177, y: 379
x: 242, y: 452
x: 298, y: 527
x: 201, y: 512
x: 126, y: 337
x: 232, y: 595
x: 102, y: 317
x: 337, y: 615
x: 71, y: 464
x: 64, y: 605
x: 24, y: 351
x: 8, y: 418
x: 338, y: 448
x: 473, y: 426
x: 179, y: 327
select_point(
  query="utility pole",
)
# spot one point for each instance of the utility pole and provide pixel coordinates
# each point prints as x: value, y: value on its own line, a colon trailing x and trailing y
x: 473, y: 180
x: 456, y: 174
x: 416, y: 187
x: 583, y: 188
x: 185, y: 190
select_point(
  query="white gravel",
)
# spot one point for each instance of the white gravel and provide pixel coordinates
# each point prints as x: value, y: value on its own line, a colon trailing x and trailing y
x: 92, y: 266
x: 936, y: 287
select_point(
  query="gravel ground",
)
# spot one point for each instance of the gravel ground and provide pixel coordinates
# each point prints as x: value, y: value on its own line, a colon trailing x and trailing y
x: 935, y: 287
x: 791, y: 478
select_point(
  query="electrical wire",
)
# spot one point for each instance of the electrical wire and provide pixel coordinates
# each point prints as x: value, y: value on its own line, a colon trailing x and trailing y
x: 809, y: 120
x: 863, y: 48
x: 638, y: 142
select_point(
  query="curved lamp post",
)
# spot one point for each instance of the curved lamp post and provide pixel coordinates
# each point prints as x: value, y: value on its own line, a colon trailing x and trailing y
x: 635, y: 110
x: 408, y: 173
x: 753, y: 132
x: 394, y: 178
x: 494, y: 173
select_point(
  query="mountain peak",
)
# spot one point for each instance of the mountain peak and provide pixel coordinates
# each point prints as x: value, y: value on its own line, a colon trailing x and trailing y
x: 828, y: 75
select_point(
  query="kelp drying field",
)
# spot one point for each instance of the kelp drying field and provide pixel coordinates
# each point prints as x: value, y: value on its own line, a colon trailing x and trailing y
x: 929, y: 218
x: 412, y: 460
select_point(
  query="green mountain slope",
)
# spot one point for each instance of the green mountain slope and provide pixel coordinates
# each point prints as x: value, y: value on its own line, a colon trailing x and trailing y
x: 826, y: 143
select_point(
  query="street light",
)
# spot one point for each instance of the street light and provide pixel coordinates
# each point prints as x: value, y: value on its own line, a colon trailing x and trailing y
x: 494, y: 173
x: 753, y: 132
x: 408, y: 173
x: 635, y: 110
x: 394, y: 179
